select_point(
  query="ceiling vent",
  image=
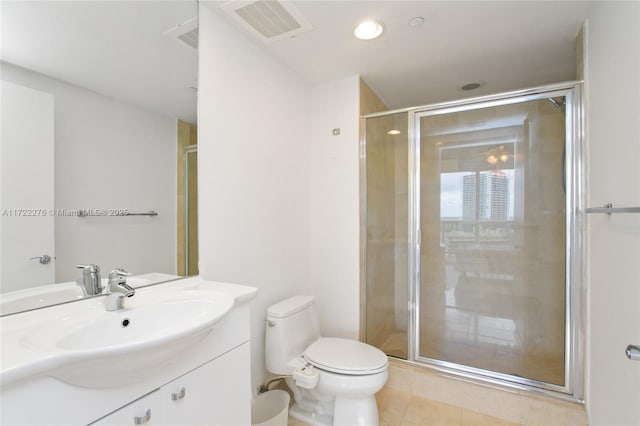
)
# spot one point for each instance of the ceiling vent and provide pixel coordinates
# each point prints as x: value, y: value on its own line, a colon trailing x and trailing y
x: 187, y: 32
x: 269, y: 20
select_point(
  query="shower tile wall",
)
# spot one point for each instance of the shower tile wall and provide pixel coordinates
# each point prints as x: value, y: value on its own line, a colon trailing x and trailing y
x: 187, y: 136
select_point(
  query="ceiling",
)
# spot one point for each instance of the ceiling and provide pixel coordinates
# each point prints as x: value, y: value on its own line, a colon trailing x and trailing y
x: 509, y: 45
x: 118, y: 48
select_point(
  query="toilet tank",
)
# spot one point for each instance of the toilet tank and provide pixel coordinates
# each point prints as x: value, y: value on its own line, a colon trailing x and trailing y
x: 292, y: 325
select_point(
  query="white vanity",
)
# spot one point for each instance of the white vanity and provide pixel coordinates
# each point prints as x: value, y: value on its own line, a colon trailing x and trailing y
x: 177, y: 354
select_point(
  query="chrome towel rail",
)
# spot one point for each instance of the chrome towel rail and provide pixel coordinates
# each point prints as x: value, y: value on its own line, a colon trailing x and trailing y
x: 149, y: 213
x: 608, y: 209
x: 112, y: 212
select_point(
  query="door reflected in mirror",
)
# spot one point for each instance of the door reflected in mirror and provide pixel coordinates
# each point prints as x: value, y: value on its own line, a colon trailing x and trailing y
x: 98, y: 105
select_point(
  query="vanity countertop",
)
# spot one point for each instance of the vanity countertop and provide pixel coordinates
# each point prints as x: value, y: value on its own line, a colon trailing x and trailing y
x: 240, y: 293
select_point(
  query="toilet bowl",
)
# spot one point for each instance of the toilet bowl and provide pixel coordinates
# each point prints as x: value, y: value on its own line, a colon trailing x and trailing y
x: 333, y: 380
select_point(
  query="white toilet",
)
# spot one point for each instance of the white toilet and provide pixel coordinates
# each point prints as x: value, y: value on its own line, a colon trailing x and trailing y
x: 333, y: 380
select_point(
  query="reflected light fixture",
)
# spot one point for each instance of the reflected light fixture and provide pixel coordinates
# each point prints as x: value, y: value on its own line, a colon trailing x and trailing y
x: 394, y: 132
x: 495, y: 155
x: 368, y: 30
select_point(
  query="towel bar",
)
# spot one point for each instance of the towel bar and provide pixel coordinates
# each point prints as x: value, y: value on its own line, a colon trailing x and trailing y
x: 608, y: 209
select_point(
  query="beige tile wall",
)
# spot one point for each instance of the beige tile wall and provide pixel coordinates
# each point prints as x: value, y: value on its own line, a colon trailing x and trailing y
x: 370, y: 102
x: 187, y: 135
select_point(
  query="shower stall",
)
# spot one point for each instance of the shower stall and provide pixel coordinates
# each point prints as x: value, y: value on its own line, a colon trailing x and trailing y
x: 471, y: 245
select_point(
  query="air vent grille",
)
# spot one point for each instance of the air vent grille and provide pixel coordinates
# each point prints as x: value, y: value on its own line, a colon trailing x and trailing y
x: 269, y: 20
x: 190, y: 37
x: 186, y: 32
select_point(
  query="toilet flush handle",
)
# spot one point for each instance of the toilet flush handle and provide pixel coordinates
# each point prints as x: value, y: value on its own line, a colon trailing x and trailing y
x: 270, y: 323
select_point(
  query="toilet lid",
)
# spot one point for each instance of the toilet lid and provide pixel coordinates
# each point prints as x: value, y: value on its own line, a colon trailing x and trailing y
x: 345, y: 356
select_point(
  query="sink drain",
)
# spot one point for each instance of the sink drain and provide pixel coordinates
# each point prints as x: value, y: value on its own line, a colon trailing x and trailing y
x: 125, y: 322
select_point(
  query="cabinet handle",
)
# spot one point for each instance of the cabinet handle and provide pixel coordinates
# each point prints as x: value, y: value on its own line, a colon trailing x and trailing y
x: 140, y: 420
x: 178, y: 396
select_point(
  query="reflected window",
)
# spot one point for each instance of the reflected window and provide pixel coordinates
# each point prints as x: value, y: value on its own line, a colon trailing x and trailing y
x: 477, y: 205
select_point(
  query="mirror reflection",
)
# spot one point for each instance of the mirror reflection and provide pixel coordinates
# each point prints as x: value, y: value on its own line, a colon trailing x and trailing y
x: 98, y: 146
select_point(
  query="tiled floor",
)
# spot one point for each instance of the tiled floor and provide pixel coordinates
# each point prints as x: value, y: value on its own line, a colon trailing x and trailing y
x: 401, y: 409
x: 515, y: 406
x: 400, y: 404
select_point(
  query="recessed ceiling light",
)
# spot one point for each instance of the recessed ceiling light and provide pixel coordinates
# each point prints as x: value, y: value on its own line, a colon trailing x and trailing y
x: 368, y: 30
x: 474, y: 85
x: 394, y: 132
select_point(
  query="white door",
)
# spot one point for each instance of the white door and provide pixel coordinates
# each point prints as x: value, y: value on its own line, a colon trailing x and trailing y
x: 26, y: 188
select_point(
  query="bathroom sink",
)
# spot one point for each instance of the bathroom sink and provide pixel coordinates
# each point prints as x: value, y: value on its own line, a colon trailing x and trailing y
x: 35, y: 297
x: 96, y: 348
x: 128, y: 328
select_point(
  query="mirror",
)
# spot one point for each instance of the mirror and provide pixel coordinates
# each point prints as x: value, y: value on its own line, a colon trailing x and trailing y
x: 98, y: 112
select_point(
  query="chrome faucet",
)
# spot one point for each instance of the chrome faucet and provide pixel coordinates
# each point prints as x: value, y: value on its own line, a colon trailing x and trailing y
x: 117, y: 290
x: 90, y: 282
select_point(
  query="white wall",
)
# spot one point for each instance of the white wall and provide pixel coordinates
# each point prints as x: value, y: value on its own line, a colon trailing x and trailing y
x: 613, y: 173
x: 253, y: 172
x: 334, y: 216
x: 109, y: 154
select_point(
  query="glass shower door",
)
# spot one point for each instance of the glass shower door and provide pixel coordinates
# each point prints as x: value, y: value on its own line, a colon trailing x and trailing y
x: 387, y: 233
x: 491, y: 202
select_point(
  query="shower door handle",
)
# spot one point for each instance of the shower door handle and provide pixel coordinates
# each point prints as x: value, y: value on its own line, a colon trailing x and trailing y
x: 633, y: 352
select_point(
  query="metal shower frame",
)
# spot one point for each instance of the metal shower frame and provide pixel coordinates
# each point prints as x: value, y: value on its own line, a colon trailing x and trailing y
x: 573, y: 388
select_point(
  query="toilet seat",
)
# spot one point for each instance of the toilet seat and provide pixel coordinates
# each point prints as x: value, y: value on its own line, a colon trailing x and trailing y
x: 345, y: 356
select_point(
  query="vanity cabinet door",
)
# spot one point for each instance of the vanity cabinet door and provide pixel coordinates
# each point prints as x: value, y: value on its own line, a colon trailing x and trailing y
x: 144, y: 411
x: 218, y: 393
